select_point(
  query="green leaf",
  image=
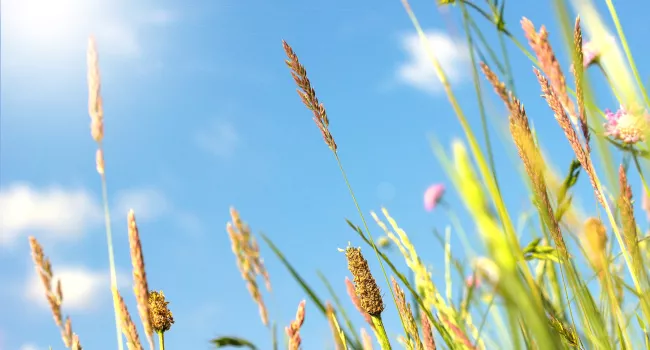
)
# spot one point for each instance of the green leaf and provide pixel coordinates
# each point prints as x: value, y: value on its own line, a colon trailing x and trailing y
x: 232, y: 341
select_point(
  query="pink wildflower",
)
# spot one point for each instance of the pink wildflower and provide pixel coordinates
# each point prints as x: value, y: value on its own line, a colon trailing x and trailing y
x: 591, y: 51
x: 433, y: 195
x: 627, y: 125
x: 645, y: 204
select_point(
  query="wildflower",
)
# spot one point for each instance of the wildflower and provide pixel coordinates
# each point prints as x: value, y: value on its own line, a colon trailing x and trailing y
x: 486, y: 270
x: 433, y: 195
x: 627, y: 124
x: 593, y: 50
x: 645, y: 204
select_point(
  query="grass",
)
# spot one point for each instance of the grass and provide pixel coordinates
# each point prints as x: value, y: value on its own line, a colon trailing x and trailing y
x: 572, y: 287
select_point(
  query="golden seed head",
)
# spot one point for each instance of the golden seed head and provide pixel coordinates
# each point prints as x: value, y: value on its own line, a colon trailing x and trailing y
x: 365, y: 285
x: 159, y: 313
x: 595, y: 237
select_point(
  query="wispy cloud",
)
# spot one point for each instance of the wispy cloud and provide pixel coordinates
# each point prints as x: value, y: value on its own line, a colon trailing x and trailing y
x: 147, y: 203
x: 54, y: 211
x: 418, y: 70
x: 29, y: 346
x: 81, y: 287
x: 221, y: 139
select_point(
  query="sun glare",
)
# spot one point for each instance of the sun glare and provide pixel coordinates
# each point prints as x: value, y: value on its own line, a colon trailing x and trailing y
x: 44, y: 23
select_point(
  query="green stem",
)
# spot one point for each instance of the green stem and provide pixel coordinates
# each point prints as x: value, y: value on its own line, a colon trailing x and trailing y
x: 111, y: 256
x: 161, y: 340
x: 380, y: 332
x: 365, y: 225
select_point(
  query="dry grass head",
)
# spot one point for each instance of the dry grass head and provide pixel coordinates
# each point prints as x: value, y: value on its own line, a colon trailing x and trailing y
x: 548, y: 62
x: 308, y: 95
x: 249, y: 262
x: 293, y: 330
x: 529, y: 154
x: 53, y: 294
x: 140, y: 284
x: 364, y: 283
x: 159, y: 314
x: 366, y: 340
x: 427, y: 333
x: 349, y: 287
x: 578, y: 73
x: 95, y: 106
x: 583, y: 157
x: 413, y: 337
x: 630, y: 233
x: 126, y: 324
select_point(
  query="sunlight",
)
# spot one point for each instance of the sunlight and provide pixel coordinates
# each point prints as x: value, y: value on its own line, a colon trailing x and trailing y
x: 44, y: 23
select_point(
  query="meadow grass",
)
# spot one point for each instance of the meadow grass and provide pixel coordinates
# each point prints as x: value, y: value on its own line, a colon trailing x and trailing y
x: 574, y: 286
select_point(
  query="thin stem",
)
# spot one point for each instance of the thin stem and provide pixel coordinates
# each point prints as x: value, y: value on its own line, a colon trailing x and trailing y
x: 111, y: 256
x: 161, y: 340
x: 365, y: 225
x: 626, y: 48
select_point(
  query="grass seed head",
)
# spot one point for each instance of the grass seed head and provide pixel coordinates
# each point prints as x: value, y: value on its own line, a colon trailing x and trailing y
x: 365, y: 285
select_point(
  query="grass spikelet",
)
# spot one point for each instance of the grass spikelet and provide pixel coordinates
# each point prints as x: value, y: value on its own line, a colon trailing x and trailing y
x: 53, y: 294
x: 578, y: 74
x: 570, y: 133
x: 364, y: 283
x: 413, y: 337
x: 630, y: 233
x: 349, y: 286
x: 366, y: 340
x: 548, y: 62
x: 293, y: 330
x: 338, y: 335
x: 427, y: 334
x: 161, y: 317
x: 127, y: 325
x: 308, y: 95
x: 594, y: 235
x: 140, y: 284
x: 249, y: 262
x: 368, y: 291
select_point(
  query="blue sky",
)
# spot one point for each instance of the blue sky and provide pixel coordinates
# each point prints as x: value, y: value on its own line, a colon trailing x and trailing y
x: 201, y: 114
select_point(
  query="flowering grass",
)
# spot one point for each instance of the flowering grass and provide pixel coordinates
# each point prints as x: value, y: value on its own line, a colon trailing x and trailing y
x: 582, y: 283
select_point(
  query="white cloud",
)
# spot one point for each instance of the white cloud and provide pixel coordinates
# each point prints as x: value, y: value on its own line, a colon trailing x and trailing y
x: 81, y: 287
x: 418, y: 70
x: 54, y: 211
x: 29, y: 346
x: 221, y: 139
x: 147, y: 203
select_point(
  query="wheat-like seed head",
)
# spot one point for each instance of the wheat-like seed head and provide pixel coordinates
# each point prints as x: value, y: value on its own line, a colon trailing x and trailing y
x: 427, y: 333
x: 127, y: 325
x: 308, y: 95
x: 594, y: 236
x: 249, y: 262
x: 578, y: 73
x: 54, y: 295
x: 140, y: 284
x: 585, y: 161
x: 548, y: 62
x: 95, y: 107
x: 630, y: 233
x: 413, y: 338
x: 293, y: 330
x: 349, y: 287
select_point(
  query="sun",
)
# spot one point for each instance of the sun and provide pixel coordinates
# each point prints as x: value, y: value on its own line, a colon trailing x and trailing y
x: 45, y: 23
